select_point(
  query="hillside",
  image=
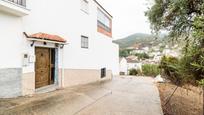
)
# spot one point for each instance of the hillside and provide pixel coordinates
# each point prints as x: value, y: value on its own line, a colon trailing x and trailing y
x: 139, y: 38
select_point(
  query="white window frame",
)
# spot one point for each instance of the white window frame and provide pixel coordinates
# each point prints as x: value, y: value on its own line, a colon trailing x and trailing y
x: 103, y: 18
x: 85, y: 6
x: 84, y: 42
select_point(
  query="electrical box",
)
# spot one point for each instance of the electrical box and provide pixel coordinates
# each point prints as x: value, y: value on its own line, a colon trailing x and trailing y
x: 32, y: 59
x: 25, y: 59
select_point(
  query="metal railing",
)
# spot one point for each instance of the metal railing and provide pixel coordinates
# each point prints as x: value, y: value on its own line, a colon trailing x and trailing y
x: 18, y: 2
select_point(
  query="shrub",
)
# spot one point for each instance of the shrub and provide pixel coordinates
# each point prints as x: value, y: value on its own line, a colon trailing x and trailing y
x: 179, y: 71
x: 124, y: 52
x: 133, y: 72
x: 150, y: 70
x: 195, y: 62
x: 142, y: 56
x: 170, y: 68
x: 201, y: 82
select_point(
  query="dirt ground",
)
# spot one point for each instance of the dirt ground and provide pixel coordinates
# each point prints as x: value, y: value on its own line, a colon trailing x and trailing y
x: 187, y: 100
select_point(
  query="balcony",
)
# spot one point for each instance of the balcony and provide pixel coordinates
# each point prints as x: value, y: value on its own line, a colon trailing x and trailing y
x: 14, y: 7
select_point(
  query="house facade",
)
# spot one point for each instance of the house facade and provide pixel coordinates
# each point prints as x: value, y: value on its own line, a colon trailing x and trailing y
x: 58, y: 43
x: 134, y: 64
x: 123, y: 66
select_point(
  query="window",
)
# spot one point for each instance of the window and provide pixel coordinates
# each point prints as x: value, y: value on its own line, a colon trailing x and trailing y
x: 103, y: 72
x: 19, y: 2
x: 103, y: 18
x: 84, y: 42
x: 85, y: 6
x: 104, y: 21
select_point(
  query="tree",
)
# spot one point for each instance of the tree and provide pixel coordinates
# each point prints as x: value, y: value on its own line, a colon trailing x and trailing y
x: 176, y: 16
x: 124, y: 53
x: 184, y: 19
x: 142, y: 56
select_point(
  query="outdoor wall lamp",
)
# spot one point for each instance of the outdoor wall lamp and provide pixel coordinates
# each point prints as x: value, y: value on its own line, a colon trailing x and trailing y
x: 56, y: 45
x: 61, y: 46
x: 32, y: 44
x: 45, y: 43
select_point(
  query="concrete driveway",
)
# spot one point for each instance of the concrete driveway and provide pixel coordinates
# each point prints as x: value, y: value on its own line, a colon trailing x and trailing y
x: 121, y: 96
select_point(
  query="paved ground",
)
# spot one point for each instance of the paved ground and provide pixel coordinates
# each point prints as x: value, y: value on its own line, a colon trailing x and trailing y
x: 121, y: 96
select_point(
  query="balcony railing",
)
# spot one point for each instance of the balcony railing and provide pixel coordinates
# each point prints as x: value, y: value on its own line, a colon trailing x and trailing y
x: 18, y: 2
x: 14, y: 7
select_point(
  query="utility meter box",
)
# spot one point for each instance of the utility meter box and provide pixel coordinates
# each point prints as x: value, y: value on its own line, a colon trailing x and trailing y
x: 25, y: 59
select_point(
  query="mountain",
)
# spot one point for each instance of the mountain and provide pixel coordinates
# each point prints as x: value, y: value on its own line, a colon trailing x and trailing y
x: 139, y: 38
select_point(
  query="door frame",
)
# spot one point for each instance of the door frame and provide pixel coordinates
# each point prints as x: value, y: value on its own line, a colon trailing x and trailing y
x: 55, y: 82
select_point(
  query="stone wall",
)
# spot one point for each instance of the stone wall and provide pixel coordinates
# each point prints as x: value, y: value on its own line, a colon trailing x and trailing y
x: 10, y: 82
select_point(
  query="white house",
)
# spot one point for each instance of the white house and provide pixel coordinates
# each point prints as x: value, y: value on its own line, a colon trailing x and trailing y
x: 123, y: 66
x: 146, y: 49
x: 54, y: 43
x: 140, y: 50
x: 134, y: 64
x: 169, y: 52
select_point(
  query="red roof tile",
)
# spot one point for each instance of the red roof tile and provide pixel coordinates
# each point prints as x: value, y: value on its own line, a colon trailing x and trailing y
x: 45, y: 36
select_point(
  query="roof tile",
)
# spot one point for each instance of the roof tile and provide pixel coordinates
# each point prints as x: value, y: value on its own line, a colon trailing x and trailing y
x: 45, y: 36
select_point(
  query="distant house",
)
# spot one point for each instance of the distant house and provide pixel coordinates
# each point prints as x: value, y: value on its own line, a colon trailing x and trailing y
x: 140, y: 50
x: 156, y: 48
x: 132, y: 57
x: 157, y: 58
x: 134, y: 64
x: 137, y: 51
x: 130, y: 48
x: 146, y: 49
x: 169, y: 52
x: 123, y: 66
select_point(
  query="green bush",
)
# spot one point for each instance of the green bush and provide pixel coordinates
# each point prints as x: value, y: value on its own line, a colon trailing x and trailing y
x: 170, y: 67
x: 179, y: 71
x: 150, y: 70
x: 124, y: 52
x: 201, y: 82
x: 142, y: 56
x: 133, y: 72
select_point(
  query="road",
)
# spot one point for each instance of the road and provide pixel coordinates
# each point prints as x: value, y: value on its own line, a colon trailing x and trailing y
x: 121, y: 96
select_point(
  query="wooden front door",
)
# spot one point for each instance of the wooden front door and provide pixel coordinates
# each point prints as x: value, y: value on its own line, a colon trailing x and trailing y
x: 42, y: 67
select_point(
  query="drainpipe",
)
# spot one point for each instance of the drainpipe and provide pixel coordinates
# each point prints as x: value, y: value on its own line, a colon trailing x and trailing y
x: 62, y: 63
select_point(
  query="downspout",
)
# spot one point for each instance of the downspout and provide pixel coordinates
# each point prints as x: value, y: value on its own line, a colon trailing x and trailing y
x: 62, y: 72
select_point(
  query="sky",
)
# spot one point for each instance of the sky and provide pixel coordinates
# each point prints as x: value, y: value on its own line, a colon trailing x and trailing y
x: 128, y: 16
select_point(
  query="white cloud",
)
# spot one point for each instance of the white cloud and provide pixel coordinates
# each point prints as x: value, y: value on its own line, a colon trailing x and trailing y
x: 128, y: 16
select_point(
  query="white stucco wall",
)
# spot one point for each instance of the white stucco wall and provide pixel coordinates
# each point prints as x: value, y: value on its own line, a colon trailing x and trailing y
x: 115, y: 59
x: 137, y: 66
x: 11, y: 41
x: 124, y: 66
x: 63, y: 18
